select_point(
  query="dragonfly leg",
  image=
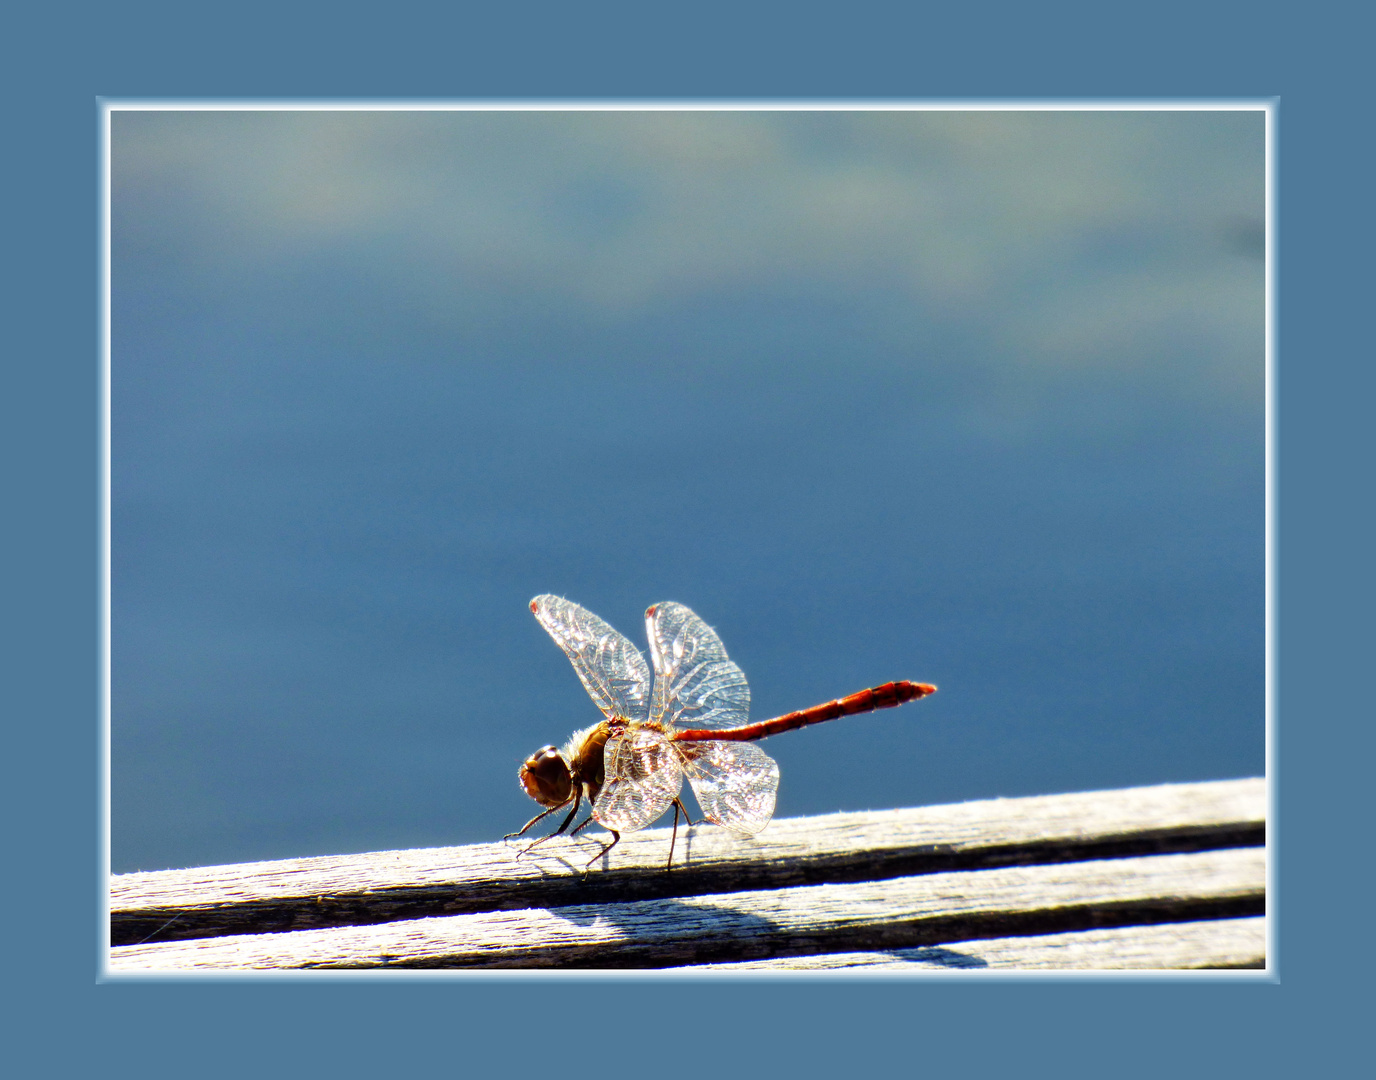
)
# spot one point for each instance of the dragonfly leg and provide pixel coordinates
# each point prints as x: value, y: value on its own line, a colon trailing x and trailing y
x: 538, y: 817
x: 582, y: 825
x: 616, y: 836
x: 577, y: 801
x: 673, y: 838
x: 686, y: 819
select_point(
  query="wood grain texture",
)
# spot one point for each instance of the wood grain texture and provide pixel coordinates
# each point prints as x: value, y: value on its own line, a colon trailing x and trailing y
x: 381, y: 887
x: 1217, y: 943
x: 904, y: 912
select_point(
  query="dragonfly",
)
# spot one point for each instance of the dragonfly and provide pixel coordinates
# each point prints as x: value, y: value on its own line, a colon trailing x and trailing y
x: 692, y: 721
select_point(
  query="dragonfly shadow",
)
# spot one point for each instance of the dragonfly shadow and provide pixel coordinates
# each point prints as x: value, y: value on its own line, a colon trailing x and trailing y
x: 938, y: 957
x: 668, y: 933
x: 670, y: 917
x: 673, y: 932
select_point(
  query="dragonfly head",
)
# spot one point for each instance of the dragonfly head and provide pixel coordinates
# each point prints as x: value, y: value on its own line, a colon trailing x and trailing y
x: 546, y: 778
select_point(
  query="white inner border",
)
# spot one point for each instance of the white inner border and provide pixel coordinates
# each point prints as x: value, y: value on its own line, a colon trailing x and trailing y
x: 1266, y: 105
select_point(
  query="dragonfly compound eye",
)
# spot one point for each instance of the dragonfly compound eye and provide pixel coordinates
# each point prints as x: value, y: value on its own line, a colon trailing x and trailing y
x: 545, y: 777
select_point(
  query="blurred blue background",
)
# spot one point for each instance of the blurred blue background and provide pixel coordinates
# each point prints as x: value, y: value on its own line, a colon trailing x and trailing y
x: 968, y: 398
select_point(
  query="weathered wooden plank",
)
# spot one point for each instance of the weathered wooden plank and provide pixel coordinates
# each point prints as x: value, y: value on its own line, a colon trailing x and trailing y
x: 395, y: 885
x: 1217, y: 943
x: 899, y: 913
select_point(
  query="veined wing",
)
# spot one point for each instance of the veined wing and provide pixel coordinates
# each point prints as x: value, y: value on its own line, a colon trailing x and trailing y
x: 696, y: 685
x: 644, y: 773
x: 735, y: 783
x: 610, y: 667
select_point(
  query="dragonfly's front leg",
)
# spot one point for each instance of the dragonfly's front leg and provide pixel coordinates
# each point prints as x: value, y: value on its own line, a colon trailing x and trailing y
x: 577, y: 802
x: 538, y: 817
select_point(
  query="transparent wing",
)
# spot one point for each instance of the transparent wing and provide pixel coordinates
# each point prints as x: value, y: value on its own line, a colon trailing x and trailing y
x: 696, y: 685
x: 735, y: 783
x: 643, y: 776
x: 611, y: 668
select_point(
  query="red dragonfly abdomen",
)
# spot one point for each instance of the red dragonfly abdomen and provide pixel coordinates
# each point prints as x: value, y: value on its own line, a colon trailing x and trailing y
x: 863, y: 701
